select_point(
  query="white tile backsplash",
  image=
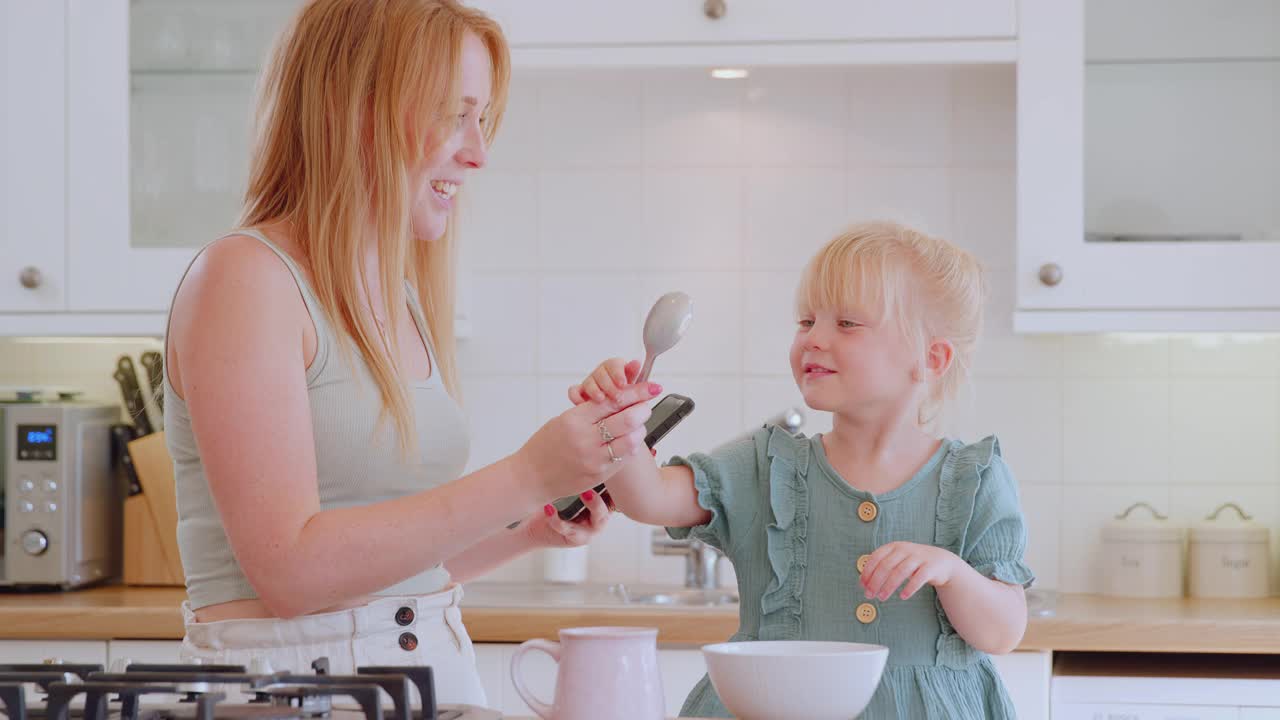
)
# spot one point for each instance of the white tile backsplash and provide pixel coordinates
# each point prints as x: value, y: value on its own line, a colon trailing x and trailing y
x: 502, y: 412
x: 768, y: 309
x: 1116, y: 431
x: 920, y: 197
x: 591, y: 121
x: 692, y: 220
x: 1239, y: 356
x: 793, y: 120
x: 508, y: 301
x: 1042, y: 508
x: 1104, y: 356
x: 507, y: 240
x: 1225, y: 432
x: 692, y: 120
x: 584, y: 319
x: 606, y: 189
x: 790, y: 212
x: 901, y: 118
x: 588, y: 219
x: 982, y: 126
x: 982, y: 215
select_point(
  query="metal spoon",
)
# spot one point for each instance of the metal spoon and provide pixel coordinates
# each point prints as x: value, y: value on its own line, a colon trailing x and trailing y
x: 667, y: 321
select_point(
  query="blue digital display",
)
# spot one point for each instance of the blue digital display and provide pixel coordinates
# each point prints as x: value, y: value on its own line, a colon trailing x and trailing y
x: 37, y: 442
x: 40, y: 437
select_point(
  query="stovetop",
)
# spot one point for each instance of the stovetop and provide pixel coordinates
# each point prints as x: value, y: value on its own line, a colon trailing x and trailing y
x: 222, y: 692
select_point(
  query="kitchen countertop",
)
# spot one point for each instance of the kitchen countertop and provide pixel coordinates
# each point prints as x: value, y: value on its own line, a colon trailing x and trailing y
x: 495, y: 612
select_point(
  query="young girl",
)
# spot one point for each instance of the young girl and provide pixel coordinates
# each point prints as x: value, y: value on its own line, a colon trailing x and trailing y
x: 877, y: 532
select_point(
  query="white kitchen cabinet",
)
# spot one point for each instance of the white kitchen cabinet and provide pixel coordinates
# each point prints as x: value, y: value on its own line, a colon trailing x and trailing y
x: 39, y: 651
x: 1027, y: 676
x: 13, y: 652
x: 126, y: 133
x: 581, y: 33
x: 151, y: 652
x: 33, y: 165
x: 681, y: 668
x: 1148, y: 165
x: 147, y: 149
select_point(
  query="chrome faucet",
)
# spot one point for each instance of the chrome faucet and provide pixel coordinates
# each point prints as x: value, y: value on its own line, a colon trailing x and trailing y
x: 702, y: 561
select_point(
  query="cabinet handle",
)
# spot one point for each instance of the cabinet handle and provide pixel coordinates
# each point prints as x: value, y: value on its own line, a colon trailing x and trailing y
x: 714, y: 9
x: 30, y: 277
x: 1051, y: 274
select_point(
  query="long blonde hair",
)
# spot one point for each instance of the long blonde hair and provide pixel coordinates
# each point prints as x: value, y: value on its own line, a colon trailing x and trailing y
x: 356, y: 93
x: 929, y: 288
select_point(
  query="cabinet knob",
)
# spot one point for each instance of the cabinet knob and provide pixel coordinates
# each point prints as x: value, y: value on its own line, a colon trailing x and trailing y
x: 30, y: 277
x: 1051, y: 274
x: 714, y: 9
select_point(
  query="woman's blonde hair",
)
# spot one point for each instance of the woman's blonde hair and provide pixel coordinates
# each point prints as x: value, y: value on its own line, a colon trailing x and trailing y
x: 356, y: 94
x: 929, y: 288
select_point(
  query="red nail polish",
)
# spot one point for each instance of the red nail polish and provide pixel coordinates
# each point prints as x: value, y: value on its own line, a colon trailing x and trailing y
x: 549, y: 510
x: 654, y: 388
x: 588, y: 496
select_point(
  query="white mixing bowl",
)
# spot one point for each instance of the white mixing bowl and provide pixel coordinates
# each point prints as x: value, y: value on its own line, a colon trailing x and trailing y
x: 793, y: 679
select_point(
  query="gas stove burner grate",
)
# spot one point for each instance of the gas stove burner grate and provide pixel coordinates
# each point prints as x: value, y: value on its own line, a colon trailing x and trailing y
x: 203, y: 692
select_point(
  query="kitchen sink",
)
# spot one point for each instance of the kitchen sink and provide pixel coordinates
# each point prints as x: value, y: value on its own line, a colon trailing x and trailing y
x: 597, y: 595
x: 684, y: 597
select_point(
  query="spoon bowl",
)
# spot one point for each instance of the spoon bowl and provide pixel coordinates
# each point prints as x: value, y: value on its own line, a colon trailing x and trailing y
x: 668, y: 319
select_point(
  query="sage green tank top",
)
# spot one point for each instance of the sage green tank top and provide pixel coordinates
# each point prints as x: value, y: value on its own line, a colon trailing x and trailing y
x: 357, y: 458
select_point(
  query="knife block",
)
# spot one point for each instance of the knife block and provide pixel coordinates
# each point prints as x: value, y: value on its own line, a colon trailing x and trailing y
x: 151, y: 518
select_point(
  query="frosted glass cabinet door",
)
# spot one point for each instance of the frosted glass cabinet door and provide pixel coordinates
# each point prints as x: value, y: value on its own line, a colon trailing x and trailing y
x: 160, y: 103
x: 1149, y: 159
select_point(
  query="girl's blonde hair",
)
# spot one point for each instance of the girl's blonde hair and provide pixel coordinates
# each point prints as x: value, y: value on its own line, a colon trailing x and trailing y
x: 356, y: 94
x: 929, y: 288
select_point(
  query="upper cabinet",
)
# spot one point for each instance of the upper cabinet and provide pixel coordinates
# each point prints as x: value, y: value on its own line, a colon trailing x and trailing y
x: 160, y: 98
x: 1148, y: 165
x: 125, y: 137
x: 32, y: 157
x: 578, y: 33
x: 126, y: 122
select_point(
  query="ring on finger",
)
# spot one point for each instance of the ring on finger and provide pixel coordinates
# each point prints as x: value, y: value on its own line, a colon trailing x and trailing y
x: 605, y: 435
x: 613, y: 457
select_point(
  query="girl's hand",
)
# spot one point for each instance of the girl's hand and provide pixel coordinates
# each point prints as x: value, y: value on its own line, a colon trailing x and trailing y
x: 606, y: 381
x: 917, y: 565
x: 547, y: 530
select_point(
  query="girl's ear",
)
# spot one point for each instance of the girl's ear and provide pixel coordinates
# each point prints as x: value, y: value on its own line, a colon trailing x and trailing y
x: 940, y: 355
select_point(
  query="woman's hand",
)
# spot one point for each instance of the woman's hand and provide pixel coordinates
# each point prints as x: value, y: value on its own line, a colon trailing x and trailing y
x: 917, y: 565
x: 606, y: 381
x: 585, y: 445
x: 548, y: 530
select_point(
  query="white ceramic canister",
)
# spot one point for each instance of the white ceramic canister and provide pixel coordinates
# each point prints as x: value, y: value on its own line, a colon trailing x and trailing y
x: 1230, y: 555
x: 565, y: 565
x: 1142, y: 555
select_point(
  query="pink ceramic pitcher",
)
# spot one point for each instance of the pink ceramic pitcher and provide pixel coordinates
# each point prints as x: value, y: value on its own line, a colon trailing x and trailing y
x: 605, y: 673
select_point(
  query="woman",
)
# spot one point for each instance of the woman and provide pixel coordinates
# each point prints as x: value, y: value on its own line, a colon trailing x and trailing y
x: 310, y: 382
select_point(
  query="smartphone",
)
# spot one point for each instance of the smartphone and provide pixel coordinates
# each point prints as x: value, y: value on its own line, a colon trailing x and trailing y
x: 668, y: 413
